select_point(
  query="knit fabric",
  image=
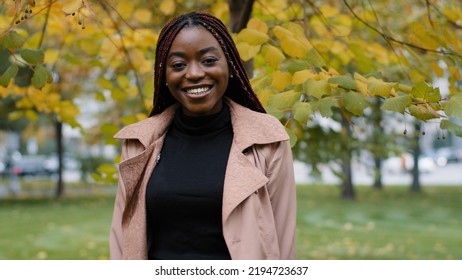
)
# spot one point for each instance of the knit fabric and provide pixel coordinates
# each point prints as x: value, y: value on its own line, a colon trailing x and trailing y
x: 185, y: 191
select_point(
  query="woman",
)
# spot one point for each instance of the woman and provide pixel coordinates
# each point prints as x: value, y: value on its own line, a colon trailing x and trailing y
x: 208, y: 175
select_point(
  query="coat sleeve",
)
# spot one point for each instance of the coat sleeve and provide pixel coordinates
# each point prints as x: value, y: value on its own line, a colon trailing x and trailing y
x: 116, y: 234
x: 281, y: 186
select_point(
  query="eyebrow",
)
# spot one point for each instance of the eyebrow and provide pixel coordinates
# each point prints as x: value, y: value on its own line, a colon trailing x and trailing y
x: 201, y: 51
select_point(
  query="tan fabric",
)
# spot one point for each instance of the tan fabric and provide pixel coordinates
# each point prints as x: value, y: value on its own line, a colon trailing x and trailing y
x: 259, y: 203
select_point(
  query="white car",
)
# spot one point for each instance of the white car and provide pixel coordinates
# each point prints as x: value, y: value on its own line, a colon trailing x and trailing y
x: 405, y: 163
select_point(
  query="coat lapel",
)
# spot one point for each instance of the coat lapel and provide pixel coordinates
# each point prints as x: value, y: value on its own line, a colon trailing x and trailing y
x: 242, y: 177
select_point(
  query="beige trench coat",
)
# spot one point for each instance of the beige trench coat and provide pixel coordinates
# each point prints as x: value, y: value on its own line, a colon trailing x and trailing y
x: 259, y: 203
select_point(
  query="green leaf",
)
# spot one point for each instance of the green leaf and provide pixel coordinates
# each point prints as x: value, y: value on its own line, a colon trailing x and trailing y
x: 9, y: 74
x: 453, y: 107
x: 317, y: 88
x: 451, y: 127
x: 423, y: 112
x: 278, y: 114
x: 425, y: 93
x: 355, y: 102
x: 128, y: 119
x: 12, y: 40
x: 295, y: 65
x: 314, y: 58
x: 292, y: 137
x: 324, y: 106
x: 397, y: 104
x: 284, y: 100
x: 107, y: 168
x: 32, y: 56
x: 109, y: 129
x: 344, y: 81
x: 302, y: 112
x: 40, y: 77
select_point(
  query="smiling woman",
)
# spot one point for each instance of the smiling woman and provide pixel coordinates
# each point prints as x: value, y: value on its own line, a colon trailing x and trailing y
x: 209, y: 175
x: 197, y: 72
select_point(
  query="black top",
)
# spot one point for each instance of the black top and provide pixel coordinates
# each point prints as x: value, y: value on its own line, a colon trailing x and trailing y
x: 185, y: 191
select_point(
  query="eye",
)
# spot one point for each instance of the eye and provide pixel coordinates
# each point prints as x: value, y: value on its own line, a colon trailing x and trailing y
x: 176, y: 66
x: 209, y: 60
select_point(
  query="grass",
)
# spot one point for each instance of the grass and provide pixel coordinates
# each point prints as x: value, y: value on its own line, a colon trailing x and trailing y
x: 390, y: 224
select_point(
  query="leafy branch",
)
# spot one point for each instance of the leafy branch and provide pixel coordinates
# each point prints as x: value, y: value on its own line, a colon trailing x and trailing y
x: 388, y: 37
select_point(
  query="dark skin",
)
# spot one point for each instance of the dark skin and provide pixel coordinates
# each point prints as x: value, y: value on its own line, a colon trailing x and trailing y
x: 197, y: 72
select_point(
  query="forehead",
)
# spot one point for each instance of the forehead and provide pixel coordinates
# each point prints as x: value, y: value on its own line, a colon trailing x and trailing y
x: 193, y: 39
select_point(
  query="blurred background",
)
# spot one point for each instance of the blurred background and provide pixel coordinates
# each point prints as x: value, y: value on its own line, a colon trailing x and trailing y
x: 370, y: 94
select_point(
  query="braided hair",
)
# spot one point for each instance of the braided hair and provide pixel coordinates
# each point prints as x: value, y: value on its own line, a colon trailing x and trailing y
x: 239, y: 88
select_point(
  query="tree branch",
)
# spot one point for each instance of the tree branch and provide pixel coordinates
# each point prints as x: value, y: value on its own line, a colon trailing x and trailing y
x: 105, y: 7
x: 392, y: 39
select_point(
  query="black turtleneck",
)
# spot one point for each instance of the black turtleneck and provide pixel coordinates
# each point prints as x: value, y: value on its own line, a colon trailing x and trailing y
x: 185, y: 191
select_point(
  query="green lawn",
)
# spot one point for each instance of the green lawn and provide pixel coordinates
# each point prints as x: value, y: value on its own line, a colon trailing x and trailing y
x: 391, y: 224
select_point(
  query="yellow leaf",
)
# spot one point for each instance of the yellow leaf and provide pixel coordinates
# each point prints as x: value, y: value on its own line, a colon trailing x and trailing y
x: 281, y: 33
x: 264, y: 95
x: 379, y: 88
x: 108, y: 50
x: 454, y: 71
x: 257, y: 24
x: 329, y: 11
x: 293, y: 47
x: 300, y: 77
x: 71, y: 6
x: 260, y: 82
x: 24, y: 103
x: 125, y: 8
x: 295, y: 29
x: 416, y: 76
x: 220, y: 10
x: 439, y: 72
x: 337, y: 48
x: 145, y: 38
x: 140, y: 61
x: 318, y: 26
x: 167, y: 7
x: 143, y: 15
x: 247, y: 51
x: 123, y: 81
x: 252, y: 36
x: 89, y: 46
x: 280, y: 80
x: 272, y: 55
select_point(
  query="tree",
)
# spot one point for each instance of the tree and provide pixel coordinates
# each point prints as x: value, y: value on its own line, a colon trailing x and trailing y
x: 311, y: 61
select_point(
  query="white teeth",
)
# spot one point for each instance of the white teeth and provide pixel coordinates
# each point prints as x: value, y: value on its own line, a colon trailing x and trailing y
x: 197, y: 91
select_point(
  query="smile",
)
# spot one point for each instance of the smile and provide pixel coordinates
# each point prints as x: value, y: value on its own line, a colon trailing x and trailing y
x: 198, y: 91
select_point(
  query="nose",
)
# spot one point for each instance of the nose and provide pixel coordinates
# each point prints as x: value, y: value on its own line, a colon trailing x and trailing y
x: 194, y: 71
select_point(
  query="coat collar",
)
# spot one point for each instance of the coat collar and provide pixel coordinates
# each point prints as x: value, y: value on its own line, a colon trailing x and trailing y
x: 249, y: 127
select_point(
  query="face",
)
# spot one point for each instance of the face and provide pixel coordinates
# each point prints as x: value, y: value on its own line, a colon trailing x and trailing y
x: 197, y: 72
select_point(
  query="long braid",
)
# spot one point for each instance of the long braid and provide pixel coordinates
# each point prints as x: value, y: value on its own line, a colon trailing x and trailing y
x: 239, y: 88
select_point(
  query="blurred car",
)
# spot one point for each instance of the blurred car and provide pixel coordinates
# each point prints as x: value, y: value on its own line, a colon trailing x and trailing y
x: 405, y: 163
x: 446, y: 155
x: 2, y: 168
x: 29, y: 165
x: 69, y: 163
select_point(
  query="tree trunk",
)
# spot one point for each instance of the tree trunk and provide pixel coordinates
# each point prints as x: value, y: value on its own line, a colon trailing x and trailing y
x: 377, y: 135
x: 239, y: 15
x: 378, y: 185
x: 60, y: 151
x: 416, y: 186
x: 347, y: 183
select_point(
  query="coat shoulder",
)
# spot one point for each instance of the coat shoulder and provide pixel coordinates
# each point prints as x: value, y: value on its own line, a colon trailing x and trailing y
x: 133, y: 131
x: 256, y: 127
